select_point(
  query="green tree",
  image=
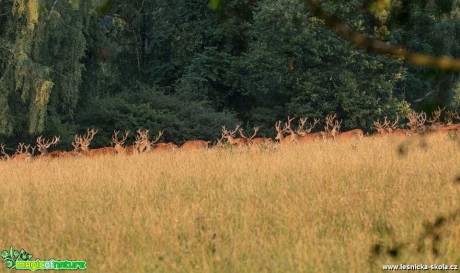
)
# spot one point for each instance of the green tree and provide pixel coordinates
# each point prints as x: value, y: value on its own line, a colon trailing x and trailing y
x: 293, y: 56
x: 41, y: 46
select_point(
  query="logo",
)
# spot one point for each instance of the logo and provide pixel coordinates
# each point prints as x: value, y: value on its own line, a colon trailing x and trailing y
x: 21, y: 260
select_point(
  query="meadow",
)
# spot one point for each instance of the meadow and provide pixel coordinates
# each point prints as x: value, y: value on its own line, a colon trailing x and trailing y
x: 326, y: 207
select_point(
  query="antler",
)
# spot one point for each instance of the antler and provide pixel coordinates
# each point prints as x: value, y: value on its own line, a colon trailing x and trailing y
x: 315, y: 122
x: 76, y: 143
x: 159, y: 135
x: 301, y: 125
x: 450, y: 115
x: 302, y: 122
x: 142, y: 142
x: 386, y: 123
x: 436, y: 116
x: 329, y: 122
x: 32, y: 149
x: 20, y: 149
x: 394, y: 126
x: 421, y: 120
x: 256, y: 129
x: 380, y: 127
x: 278, y: 127
x: 44, y: 145
x: 85, y: 140
x: 337, y: 126
x: 22, y: 152
x: 5, y: 155
x: 287, y: 125
x: 121, y: 141
x: 219, y: 141
x: 416, y: 121
x: 224, y: 131
x: 90, y: 134
x: 240, y: 130
x: 228, y: 133
x: 237, y: 128
x: 386, y: 126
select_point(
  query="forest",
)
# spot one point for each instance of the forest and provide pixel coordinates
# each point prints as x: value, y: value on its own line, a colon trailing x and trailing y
x: 190, y: 67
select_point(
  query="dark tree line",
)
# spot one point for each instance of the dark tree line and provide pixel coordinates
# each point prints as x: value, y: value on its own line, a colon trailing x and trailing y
x: 188, y: 68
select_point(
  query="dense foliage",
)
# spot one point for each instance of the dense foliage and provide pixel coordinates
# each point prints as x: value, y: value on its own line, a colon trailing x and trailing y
x: 188, y: 67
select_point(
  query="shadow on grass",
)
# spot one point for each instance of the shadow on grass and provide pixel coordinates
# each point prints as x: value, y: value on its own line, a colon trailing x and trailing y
x: 433, y: 233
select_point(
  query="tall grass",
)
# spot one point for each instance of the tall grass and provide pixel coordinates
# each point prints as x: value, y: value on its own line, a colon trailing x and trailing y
x: 302, y: 208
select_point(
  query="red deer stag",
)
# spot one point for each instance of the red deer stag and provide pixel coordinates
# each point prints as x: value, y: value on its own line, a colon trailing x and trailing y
x: 22, y: 153
x: 294, y: 136
x: 279, y: 132
x: 43, y: 146
x: 261, y: 140
x: 164, y: 147
x: 329, y: 128
x: 417, y: 122
x: 249, y: 140
x: 305, y: 135
x: 81, y: 144
x: 230, y: 136
x: 142, y: 143
x: 195, y: 145
x: 118, y: 143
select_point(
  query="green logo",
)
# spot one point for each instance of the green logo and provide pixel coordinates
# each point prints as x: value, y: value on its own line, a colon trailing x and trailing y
x: 21, y: 260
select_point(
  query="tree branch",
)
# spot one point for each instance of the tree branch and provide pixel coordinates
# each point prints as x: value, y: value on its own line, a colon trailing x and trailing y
x: 142, y: 6
x: 381, y: 47
x: 51, y: 11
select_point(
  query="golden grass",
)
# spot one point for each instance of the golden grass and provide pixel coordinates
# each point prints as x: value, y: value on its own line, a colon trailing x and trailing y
x: 306, y: 208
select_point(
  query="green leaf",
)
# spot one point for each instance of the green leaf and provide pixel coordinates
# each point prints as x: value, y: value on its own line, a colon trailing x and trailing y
x: 214, y: 4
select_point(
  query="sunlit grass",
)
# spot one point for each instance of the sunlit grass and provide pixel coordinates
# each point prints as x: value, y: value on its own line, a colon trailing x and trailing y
x: 309, y: 208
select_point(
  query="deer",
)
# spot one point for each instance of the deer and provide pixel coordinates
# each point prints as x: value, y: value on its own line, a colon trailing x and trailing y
x: 258, y: 141
x: 329, y: 128
x: 417, y: 122
x: 393, y: 129
x: 450, y: 126
x: 153, y: 143
x: 438, y: 127
x: 279, y: 132
x: 118, y: 143
x: 352, y: 134
x: 243, y: 141
x: 5, y: 156
x: 142, y: 143
x: 435, y: 120
x: 195, y: 145
x: 219, y: 142
x: 381, y: 127
x: 161, y: 147
x: 450, y: 116
x: 305, y: 135
x: 43, y: 146
x: 389, y: 129
x: 251, y: 139
x: 335, y: 131
x: 81, y: 143
x: 301, y: 135
x: 85, y: 140
x: 294, y: 136
x: 261, y: 141
x: 22, y: 153
x: 76, y: 145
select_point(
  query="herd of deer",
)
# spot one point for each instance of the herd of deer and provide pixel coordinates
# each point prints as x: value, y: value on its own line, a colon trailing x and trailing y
x: 142, y: 144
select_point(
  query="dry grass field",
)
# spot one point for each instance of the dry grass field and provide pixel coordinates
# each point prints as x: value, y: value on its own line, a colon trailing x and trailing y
x: 327, y: 207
